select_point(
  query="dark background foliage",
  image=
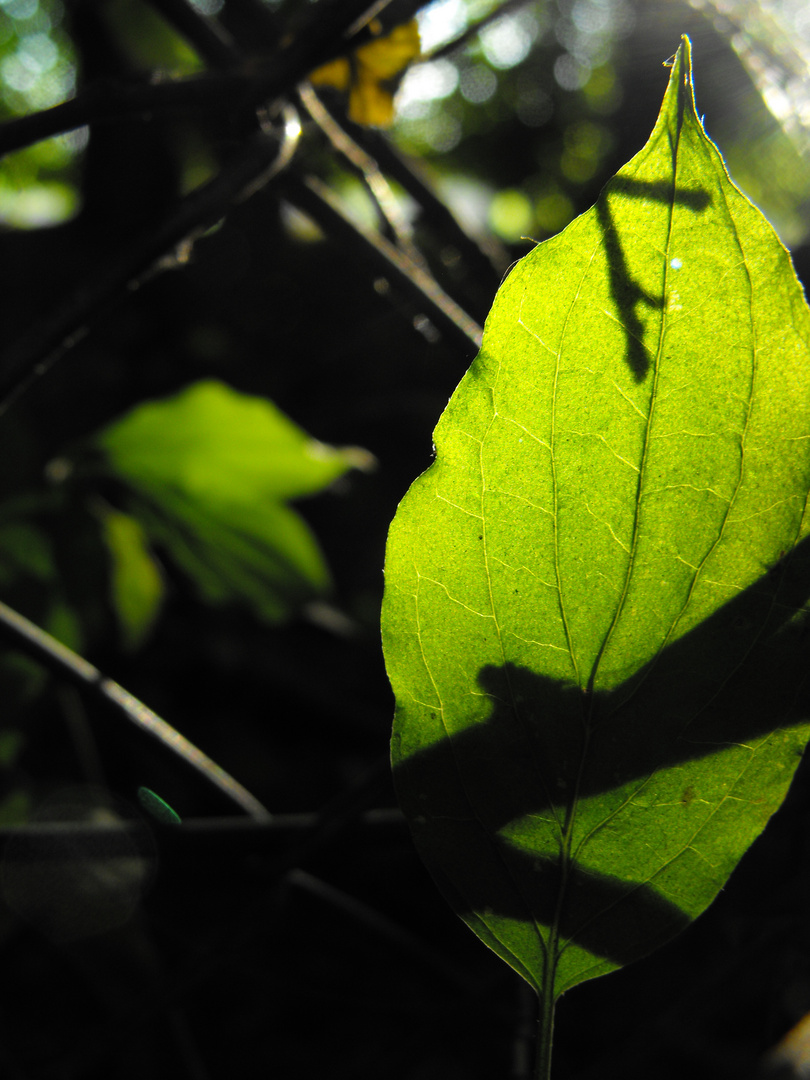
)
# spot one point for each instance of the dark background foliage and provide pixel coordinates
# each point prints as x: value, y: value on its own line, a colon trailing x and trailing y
x: 321, y: 947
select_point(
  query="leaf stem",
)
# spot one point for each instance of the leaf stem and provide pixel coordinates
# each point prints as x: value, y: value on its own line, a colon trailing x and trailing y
x: 545, y: 1036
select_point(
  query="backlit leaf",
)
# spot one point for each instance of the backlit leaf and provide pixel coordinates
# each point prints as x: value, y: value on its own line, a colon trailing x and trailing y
x: 211, y: 471
x: 593, y: 615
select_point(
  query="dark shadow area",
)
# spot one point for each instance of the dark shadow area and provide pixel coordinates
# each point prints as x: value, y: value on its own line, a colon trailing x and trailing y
x: 228, y: 966
x: 734, y: 678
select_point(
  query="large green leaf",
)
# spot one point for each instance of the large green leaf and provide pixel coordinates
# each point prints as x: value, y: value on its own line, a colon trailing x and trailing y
x: 211, y: 471
x: 593, y: 608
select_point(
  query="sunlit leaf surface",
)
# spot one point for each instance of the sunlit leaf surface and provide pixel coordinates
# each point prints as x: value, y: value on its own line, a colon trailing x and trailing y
x: 593, y: 615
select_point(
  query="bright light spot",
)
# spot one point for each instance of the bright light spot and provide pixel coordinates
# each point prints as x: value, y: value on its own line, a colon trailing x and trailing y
x: 571, y: 73
x: 534, y: 108
x: 16, y: 75
x: 297, y: 225
x: 441, y: 22
x: 468, y: 199
x: 292, y: 128
x: 578, y: 169
x: 442, y: 133
x: 676, y: 264
x: 430, y: 130
x: 584, y: 145
x: 777, y: 101
x: 509, y: 40
x: 424, y: 83
x: 510, y: 215
x: 478, y: 84
x: 589, y: 17
x: 602, y: 90
x: 37, y: 206
x: 52, y: 89
x: 38, y: 52
x: 553, y: 211
x: 20, y: 9
x: 208, y: 7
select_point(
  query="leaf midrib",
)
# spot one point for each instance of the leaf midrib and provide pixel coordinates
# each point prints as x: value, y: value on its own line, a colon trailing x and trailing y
x: 553, y: 952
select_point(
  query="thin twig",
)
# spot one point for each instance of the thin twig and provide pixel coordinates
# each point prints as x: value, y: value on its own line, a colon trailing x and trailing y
x: 62, y: 661
x: 364, y: 164
x: 204, y: 838
x: 107, y: 101
x: 246, y: 88
x: 486, y: 263
x: 323, y: 205
x: 32, y: 354
x: 371, y: 155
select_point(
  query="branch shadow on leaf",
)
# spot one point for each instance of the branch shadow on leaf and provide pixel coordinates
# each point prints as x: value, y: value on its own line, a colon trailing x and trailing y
x: 730, y: 680
x: 626, y: 292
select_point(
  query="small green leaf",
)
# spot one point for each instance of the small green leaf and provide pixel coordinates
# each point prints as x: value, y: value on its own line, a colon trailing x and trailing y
x: 594, y: 601
x: 157, y: 807
x: 136, y: 584
x: 10, y: 747
x: 150, y: 41
x: 212, y: 470
x: 25, y: 550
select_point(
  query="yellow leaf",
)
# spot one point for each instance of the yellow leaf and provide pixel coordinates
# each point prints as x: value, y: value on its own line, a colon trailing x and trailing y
x: 336, y: 73
x: 387, y: 56
x: 370, y: 74
x: 369, y: 104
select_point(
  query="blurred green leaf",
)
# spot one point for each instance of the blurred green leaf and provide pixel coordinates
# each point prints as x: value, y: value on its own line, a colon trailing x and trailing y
x: 211, y: 470
x: 136, y: 584
x: 25, y: 550
x: 15, y: 809
x: 10, y: 747
x: 148, y: 39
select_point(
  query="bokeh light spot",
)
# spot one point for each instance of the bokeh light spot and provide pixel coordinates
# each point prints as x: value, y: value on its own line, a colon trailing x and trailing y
x: 553, y: 211
x: 534, y: 108
x: 441, y: 22
x: 20, y: 9
x: 424, y: 83
x: 510, y: 215
x: 478, y: 84
x: 508, y: 40
x: 570, y: 72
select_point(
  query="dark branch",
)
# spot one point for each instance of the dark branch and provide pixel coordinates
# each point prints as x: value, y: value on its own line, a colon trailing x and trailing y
x: 35, y: 351
x: 318, y: 201
x: 63, y: 662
